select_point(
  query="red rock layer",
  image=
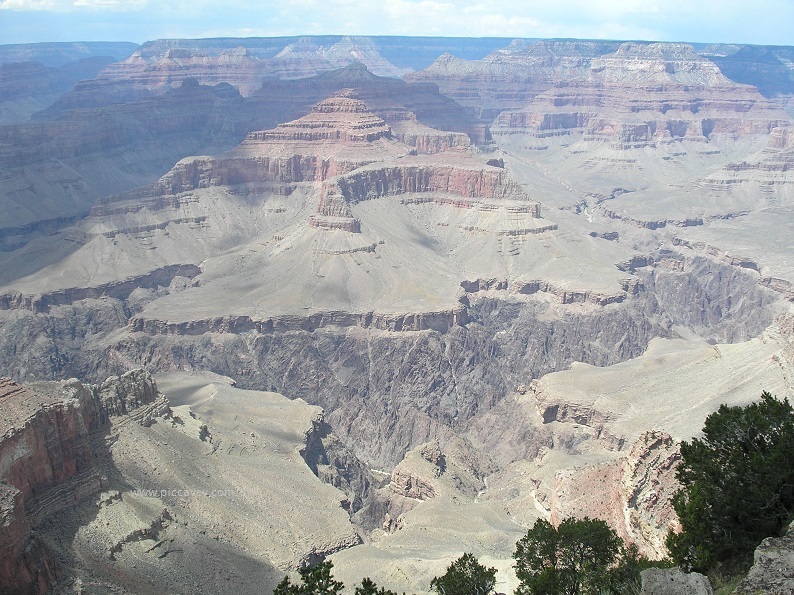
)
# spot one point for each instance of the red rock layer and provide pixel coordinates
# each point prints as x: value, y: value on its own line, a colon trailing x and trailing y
x: 350, y: 151
x: 47, y: 462
x: 342, y: 119
x: 631, y: 494
x: 639, y: 115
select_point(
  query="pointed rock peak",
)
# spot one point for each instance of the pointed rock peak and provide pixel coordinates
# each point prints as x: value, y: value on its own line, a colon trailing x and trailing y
x: 304, y: 44
x: 342, y: 117
x: 518, y: 45
x: 343, y: 101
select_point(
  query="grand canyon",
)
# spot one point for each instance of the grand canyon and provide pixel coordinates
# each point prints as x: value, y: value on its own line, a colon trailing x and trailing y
x: 379, y: 300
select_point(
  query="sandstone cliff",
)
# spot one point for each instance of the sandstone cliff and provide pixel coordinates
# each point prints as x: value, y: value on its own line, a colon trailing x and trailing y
x: 632, y: 494
x: 643, y: 94
x: 106, y: 485
x: 161, y: 65
x: 510, y: 77
x: 47, y: 460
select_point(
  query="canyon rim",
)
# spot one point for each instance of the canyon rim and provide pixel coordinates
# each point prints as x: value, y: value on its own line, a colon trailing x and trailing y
x: 381, y: 300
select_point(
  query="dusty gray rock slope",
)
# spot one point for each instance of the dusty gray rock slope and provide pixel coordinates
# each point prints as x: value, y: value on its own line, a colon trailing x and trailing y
x: 117, y: 487
x: 482, y: 311
x: 772, y: 572
x: 671, y: 581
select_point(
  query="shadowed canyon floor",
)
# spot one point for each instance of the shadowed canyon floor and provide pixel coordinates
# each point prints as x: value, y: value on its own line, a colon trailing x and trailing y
x: 394, y: 319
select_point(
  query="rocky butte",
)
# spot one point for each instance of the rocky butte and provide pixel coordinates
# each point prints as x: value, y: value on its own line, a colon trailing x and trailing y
x: 388, y: 319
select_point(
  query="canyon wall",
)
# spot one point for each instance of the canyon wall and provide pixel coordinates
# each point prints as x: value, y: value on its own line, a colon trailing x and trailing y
x: 387, y: 388
x: 50, y: 437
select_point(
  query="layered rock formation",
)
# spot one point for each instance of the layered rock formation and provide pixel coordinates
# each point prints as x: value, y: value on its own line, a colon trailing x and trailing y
x: 57, y: 166
x: 55, y: 54
x: 643, y: 94
x: 303, y: 181
x: 632, y: 494
x: 47, y: 459
x: 510, y: 77
x: 155, y: 522
x: 28, y: 87
x: 243, y: 63
x: 56, y: 170
x: 474, y: 314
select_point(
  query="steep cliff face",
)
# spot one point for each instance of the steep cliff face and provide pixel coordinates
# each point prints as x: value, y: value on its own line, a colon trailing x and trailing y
x: 243, y: 63
x: 421, y: 377
x: 57, y: 169
x: 631, y: 494
x: 58, y: 165
x: 644, y: 94
x: 47, y: 460
x: 509, y: 78
x: 28, y: 87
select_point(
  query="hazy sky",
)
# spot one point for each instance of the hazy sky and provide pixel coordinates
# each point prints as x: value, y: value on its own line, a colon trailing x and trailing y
x: 744, y: 21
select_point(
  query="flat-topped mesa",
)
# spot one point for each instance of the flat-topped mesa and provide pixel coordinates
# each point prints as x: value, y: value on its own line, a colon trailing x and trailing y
x: 631, y: 94
x: 342, y: 118
x: 629, y: 115
x: 509, y: 78
x: 467, y: 183
x: 160, y: 65
x: 652, y: 64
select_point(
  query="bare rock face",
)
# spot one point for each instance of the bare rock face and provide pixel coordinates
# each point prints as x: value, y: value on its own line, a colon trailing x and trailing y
x: 407, y: 480
x: 58, y: 168
x: 644, y: 94
x: 47, y: 461
x: 61, y: 163
x: 773, y: 567
x: 509, y: 78
x: 672, y: 581
x: 243, y: 63
x: 769, y: 172
x: 180, y: 495
x: 632, y: 494
x: 351, y: 121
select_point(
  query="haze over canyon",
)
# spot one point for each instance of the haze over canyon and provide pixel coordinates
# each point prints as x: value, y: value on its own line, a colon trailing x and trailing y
x: 383, y: 300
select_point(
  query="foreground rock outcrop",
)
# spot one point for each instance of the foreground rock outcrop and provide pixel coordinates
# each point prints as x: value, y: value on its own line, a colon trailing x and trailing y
x: 111, y: 486
x: 51, y: 436
x: 672, y: 581
x: 772, y: 572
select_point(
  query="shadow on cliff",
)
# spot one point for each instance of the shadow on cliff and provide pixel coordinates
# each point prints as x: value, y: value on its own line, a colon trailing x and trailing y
x: 115, y: 538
